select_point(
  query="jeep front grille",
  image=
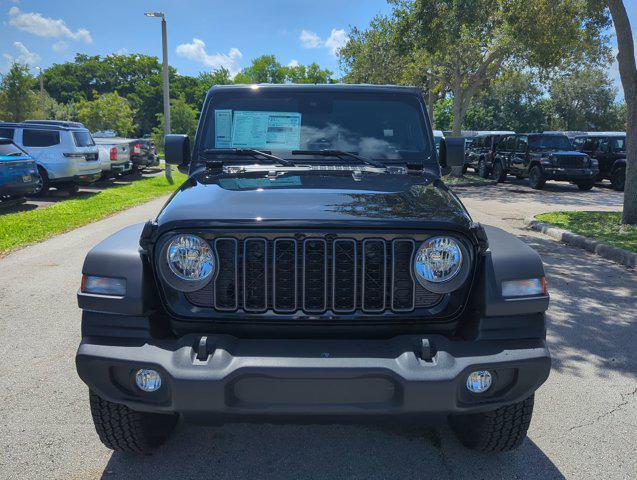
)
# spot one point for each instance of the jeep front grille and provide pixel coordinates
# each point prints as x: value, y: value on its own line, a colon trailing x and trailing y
x: 314, y: 275
x: 570, y: 161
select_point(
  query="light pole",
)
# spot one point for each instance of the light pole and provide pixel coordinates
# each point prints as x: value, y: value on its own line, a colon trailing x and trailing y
x: 41, y: 78
x: 164, y: 48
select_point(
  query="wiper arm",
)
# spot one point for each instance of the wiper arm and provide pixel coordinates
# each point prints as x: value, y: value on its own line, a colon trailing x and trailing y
x: 340, y: 154
x: 250, y: 152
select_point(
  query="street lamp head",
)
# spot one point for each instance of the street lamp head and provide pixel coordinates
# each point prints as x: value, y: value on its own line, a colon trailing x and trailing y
x: 155, y: 14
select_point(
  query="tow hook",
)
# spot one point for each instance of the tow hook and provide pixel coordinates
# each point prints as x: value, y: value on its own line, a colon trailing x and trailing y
x: 426, y: 350
x: 203, y: 349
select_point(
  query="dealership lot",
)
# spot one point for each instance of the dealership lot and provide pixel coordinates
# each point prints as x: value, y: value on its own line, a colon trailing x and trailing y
x: 584, y: 423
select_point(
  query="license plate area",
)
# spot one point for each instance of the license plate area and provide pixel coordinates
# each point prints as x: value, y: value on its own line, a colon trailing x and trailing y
x: 264, y: 391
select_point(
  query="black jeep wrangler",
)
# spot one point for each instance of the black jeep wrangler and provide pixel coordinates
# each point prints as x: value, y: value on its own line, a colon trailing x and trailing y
x: 541, y: 157
x: 609, y: 149
x: 313, y: 268
x: 481, y: 151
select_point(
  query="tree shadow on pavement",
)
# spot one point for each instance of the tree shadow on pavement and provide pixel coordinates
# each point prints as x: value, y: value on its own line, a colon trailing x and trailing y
x: 242, y: 451
x: 559, y: 193
x: 592, y: 316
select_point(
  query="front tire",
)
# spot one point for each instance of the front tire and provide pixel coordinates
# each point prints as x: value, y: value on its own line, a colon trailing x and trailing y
x: 43, y: 185
x: 618, y: 178
x: 537, y: 179
x: 497, y: 431
x: 125, y: 430
x: 585, y: 185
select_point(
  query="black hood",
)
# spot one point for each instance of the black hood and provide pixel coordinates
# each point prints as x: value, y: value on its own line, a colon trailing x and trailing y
x: 314, y: 199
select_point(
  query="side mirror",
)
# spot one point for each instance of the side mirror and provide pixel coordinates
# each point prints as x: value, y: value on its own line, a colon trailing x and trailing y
x: 452, y: 155
x: 177, y: 149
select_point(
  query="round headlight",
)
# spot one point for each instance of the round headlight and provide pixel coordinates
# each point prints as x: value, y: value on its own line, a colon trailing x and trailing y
x: 439, y: 264
x: 190, y: 258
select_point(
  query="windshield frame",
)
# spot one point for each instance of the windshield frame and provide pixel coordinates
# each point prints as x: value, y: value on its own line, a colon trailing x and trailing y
x: 427, y: 158
x: 535, y: 138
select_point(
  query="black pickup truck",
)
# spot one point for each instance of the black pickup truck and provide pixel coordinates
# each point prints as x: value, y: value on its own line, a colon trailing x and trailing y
x: 312, y: 268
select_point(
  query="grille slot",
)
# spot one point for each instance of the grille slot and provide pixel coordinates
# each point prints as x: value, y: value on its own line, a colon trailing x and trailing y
x: 314, y: 275
x: 403, y: 285
x: 227, y: 282
x: 344, y: 275
x: 284, y: 268
x: 374, y: 275
x: 255, y: 275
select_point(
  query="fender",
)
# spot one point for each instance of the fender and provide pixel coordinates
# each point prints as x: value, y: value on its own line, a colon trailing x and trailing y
x: 509, y: 258
x: 120, y: 256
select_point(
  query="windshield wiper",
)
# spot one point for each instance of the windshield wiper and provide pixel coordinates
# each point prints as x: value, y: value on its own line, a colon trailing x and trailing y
x: 340, y: 154
x: 250, y: 152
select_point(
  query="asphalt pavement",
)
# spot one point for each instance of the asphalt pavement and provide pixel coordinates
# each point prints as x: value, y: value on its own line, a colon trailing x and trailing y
x: 584, y: 425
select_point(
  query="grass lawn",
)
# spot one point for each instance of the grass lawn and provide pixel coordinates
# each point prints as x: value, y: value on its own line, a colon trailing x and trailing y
x: 23, y: 228
x: 602, y: 226
x: 467, y: 178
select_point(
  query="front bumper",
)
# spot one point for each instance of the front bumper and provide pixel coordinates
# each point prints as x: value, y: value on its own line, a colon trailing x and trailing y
x: 262, y: 379
x: 570, y: 174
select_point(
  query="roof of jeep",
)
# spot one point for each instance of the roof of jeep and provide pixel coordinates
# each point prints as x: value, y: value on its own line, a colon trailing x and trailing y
x: 322, y: 87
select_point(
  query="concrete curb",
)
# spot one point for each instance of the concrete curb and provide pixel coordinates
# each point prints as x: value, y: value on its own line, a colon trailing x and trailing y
x: 614, y: 254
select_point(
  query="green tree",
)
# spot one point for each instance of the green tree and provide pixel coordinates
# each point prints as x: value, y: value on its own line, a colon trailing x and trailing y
x: 462, y: 45
x: 263, y: 69
x: 205, y: 80
x: 585, y: 100
x: 513, y: 101
x: 18, y: 100
x: 376, y: 55
x: 109, y: 111
x: 311, y: 73
x: 628, y: 74
x: 183, y: 119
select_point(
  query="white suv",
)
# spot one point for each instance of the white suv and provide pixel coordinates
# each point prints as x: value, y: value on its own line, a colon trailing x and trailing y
x: 65, y: 152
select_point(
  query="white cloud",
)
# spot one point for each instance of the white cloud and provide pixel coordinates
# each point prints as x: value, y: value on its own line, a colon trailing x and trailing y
x: 310, y: 39
x: 60, y: 46
x: 337, y: 40
x: 196, y: 51
x: 293, y: 63
x: 24, y: 55
x: 42, y: 26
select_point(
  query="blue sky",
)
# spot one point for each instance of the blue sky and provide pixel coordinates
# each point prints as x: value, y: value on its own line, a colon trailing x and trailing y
x: 201, y: 34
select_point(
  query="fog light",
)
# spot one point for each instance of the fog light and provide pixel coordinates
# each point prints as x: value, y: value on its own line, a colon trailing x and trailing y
x: 147, y: 380
x: 479, y: 381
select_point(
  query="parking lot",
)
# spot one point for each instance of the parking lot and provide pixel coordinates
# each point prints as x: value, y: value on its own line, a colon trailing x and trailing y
x: 583, y: 426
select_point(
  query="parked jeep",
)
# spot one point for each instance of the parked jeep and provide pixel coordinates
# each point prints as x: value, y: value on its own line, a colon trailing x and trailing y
x: 481, y: 151
x: 609, y: 149
x: 312, y: 268
x: 541, y: 157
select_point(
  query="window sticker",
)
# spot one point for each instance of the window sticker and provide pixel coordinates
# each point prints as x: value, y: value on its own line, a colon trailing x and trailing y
x: 223, y: 128
x: 267, y: 130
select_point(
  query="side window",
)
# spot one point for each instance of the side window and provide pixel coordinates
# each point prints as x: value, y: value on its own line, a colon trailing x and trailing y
x: 590, y: 145
x: 6, y: 132
x: 522, y: 144
x: 578, y: 143
x: 603, y: 145
x: 617, y: 144
x: 506, y: 144
x: 40, y: 138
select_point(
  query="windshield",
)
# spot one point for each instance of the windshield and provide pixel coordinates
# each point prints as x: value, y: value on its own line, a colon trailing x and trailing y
x: 10, y: 150
x: 83, y: 138
x: 550, y: 142
x: 383, y: 126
